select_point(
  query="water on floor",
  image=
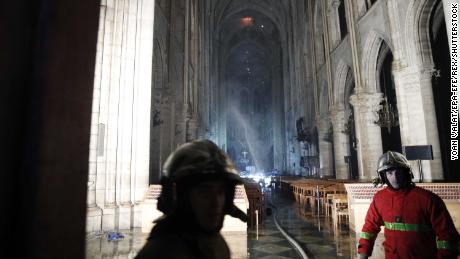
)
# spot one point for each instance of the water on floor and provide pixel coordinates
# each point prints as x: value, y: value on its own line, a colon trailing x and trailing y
x: 314, y: 232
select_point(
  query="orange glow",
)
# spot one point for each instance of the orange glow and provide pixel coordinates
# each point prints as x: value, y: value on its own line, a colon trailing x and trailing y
x: 247, y: 21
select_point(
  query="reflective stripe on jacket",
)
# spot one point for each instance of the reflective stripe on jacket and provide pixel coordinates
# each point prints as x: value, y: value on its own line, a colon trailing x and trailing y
x: 417, y: 225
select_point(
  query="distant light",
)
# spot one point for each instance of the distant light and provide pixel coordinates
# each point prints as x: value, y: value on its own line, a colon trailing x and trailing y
x: 261, y: 26
x: 247, y: 21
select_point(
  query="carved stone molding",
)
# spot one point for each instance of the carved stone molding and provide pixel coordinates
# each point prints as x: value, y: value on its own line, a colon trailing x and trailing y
x: 366, y: 102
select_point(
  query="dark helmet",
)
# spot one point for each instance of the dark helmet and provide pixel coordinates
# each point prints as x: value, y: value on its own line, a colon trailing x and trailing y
x: 392, y: 160
x: 200, y: 159
x: 192, y: 163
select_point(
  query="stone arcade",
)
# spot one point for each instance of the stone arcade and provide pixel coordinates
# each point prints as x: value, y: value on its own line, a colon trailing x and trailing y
x: 242, y: 73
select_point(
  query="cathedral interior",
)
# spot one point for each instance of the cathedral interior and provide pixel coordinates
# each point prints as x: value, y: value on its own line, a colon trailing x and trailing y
x: 96, y: 95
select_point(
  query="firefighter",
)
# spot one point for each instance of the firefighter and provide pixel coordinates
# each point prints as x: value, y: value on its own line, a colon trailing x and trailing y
x: 198, y: 186
x: 417, y: 223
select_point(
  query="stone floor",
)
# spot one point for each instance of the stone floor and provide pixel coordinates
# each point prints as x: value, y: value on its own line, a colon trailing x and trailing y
x: 314, y: 233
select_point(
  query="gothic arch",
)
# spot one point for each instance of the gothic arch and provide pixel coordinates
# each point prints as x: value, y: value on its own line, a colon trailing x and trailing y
x: 417, y: 31
x: 349, y: 90
x: 341, y: 74
x: 372, y: 47
x: 384, y: 50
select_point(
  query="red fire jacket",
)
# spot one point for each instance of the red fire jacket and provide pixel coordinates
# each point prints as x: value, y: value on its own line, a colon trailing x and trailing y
x: 417, y: 225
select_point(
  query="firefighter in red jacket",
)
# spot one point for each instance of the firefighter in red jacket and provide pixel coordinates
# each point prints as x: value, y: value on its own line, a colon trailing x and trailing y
x: 417, y: 223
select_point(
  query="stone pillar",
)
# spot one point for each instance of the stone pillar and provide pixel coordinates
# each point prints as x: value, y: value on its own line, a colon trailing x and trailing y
x: 327, y: 52
x: 368, y: 135
x: 325, y: 148
x: 126, y: 111
x: 142, y: 96
x: 361, y: 8
x: 310, y: 15
x: 110, y: 94
x: 417, y: 117
x: 94, y: 212
x: 396, y: 31
x: 169, y: 129
x: 120, y: 133
x: 341, y: 143
x: 334, y: 21
x: 191, y: 126
x: 354, y: 43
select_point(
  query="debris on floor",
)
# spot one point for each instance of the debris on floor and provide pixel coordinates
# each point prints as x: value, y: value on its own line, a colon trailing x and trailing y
x: 114, y: 236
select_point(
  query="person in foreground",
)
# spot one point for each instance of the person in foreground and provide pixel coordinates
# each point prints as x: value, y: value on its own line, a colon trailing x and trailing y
x: 198, y: 187
x: 417, y: 223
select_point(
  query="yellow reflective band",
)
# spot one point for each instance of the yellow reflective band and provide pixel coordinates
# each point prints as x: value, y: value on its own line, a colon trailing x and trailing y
x: 367, y: 236
x: 406, y: 227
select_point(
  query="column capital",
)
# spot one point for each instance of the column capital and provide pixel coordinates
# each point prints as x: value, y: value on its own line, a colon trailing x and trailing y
x: 337, y: 111
x: 412, y: 76
x: 398, y: 64
x: 430, y: 73
x: 335, y: 3
x: 369, y: 101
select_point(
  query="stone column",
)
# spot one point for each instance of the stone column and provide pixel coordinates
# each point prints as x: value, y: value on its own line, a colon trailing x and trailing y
x: 327, y: 52
x: 354, y: 43
x: 142, y: 96
x: 310, y: 14
x: 169, y: 129
x: 110, y: 94
x: 120, y: 140
x: 360, y: 7
x: 341, y: 142
x: 396, y: 31
x: 417, y: 117
x: 368, y: 135
x: 126, y: 105
x: 191, y: 126
x: 334, y: 21
x: 94, y: 212
x: 325, y: 148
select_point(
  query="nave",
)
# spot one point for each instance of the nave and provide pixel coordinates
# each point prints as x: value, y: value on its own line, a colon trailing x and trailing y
x: 311, y: 229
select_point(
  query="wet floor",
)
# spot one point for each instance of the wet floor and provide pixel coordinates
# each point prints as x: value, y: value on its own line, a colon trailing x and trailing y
x: 312, y: 231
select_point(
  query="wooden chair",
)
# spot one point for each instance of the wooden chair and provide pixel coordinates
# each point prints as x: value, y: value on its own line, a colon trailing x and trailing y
x: 329, y: 205
x: 340, y: 209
